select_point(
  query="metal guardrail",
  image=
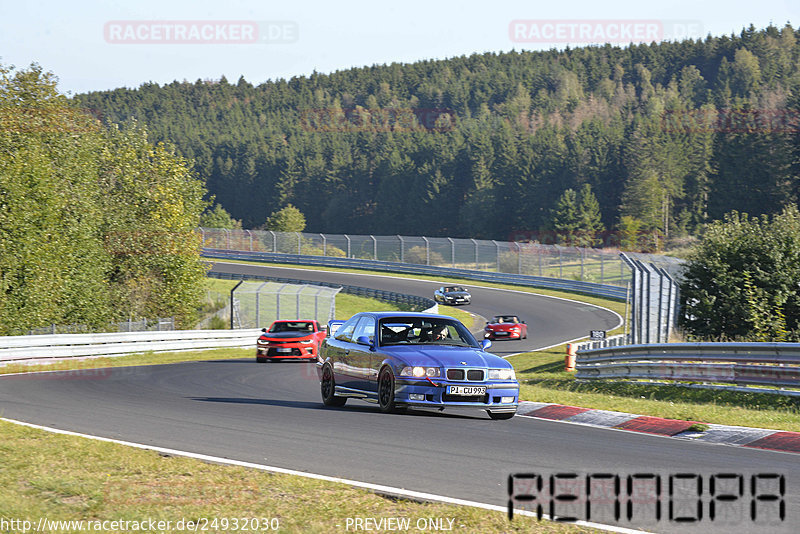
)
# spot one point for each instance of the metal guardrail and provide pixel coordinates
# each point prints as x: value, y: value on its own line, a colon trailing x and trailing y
x: 573, y: 286
x: 742, y: 364
x: 31, y: 348
x: 426, y: 304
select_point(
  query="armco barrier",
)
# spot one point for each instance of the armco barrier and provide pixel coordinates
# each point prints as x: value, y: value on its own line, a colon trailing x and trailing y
x: 28, y: 348
x: 742, y: 364
x: 574, y: 286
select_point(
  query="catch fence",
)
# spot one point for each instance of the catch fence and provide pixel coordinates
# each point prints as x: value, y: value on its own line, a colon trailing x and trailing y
x: 257, y: 303
x: 601, y: 266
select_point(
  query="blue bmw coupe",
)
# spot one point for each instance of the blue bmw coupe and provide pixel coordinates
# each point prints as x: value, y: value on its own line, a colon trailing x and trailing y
x: 414, y: 360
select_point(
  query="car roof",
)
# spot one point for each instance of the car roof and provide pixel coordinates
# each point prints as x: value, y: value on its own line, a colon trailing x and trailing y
x: 385, y: 314
x: 294, y: 321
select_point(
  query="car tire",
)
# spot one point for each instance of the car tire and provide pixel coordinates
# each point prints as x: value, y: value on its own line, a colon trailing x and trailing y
x: 327, y: 387
x: 386, y: 385
x: 261, y: 359
x: 499, y: 416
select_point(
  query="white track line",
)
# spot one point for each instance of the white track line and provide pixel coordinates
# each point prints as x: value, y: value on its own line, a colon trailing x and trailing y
x: 365, y: 485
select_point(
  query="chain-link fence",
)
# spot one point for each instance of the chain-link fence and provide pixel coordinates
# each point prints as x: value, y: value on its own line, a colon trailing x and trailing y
x: 257, y: 304
x: 602, y: 266
x: 141, y: 325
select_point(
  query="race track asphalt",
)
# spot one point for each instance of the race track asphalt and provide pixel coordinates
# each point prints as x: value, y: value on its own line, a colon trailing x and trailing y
x: 271, y: 414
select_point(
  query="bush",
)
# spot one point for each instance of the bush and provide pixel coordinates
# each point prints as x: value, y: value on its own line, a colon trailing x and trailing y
x: 420, y: 256
x: 315, y: 250
x: 741, y: 280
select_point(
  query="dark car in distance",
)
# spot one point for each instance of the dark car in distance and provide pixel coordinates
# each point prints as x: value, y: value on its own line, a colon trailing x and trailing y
x: 452, y: 295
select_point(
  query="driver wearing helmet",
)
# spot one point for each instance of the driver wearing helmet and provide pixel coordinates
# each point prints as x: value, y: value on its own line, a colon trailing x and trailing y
x: 439, y: 333
x: 433, y: 333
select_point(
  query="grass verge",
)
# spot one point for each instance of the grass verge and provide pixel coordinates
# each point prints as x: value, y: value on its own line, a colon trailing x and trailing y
x: 543, y: 379
x: 98, y: 481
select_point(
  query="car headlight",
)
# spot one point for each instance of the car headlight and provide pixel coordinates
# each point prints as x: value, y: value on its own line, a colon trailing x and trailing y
x: 502, y: 374
x: 421, y: 372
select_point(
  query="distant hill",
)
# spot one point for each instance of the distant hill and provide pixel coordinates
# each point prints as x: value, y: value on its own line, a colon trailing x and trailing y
x: 671, y: 135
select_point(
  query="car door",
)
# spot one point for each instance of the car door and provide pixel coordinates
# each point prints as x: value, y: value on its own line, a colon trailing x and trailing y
x: 361, y: 356
x: 337, y: 350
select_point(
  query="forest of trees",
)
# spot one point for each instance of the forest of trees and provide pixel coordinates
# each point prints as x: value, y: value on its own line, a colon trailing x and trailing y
x: 96, y: 224
x: 668, y: 136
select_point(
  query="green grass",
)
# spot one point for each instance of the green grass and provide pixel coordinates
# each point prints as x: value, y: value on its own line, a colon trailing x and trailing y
x: 543, y: 379
x: 106, y: 481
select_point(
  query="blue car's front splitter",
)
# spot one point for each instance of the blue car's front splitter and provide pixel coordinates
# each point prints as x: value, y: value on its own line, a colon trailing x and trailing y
x: 436, y: 396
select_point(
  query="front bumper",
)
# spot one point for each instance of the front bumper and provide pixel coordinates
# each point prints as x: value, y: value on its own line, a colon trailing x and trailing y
x: 287, y: 351
x: 503, y: 335
x: 457, y: 302
x: 436, y: 395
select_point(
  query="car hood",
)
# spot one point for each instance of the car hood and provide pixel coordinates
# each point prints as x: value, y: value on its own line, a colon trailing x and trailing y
x: 285, y: 335
x: 445, y: 356
x: 502, y: 326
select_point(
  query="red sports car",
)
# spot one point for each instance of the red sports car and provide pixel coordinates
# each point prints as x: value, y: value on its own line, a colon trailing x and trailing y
x: 505, y: 327
x: 298, y: 339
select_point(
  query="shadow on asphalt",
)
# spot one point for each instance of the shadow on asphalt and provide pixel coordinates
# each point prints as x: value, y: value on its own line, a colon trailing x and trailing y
x: 357, y: 408
x: 267, y: 402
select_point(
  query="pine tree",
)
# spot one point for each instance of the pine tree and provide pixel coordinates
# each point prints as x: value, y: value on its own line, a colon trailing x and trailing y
x: 566, y: 217
x: 589, y: 220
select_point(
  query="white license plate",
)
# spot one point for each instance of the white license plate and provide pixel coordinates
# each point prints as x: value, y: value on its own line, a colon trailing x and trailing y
x: 467, y: 390
x: 501, y: 333
x: 284, y: 350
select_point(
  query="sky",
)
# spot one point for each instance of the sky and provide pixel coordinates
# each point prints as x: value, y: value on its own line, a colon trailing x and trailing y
x: 99, y: 45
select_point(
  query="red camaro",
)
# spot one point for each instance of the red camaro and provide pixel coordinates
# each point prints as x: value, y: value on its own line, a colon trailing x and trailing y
x: 505, y: 327
x: 299, y: 339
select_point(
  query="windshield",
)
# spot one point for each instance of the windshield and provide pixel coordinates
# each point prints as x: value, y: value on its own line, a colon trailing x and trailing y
x: 454, y: 289
x: 292, y: 326
x: 506, y: 319
x: 424, y: 330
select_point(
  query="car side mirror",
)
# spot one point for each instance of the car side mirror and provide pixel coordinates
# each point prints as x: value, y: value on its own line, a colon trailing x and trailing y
x: 523, y: 322
x: 364, y: 340
x: 264, y: 330
x: 486, y: 343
